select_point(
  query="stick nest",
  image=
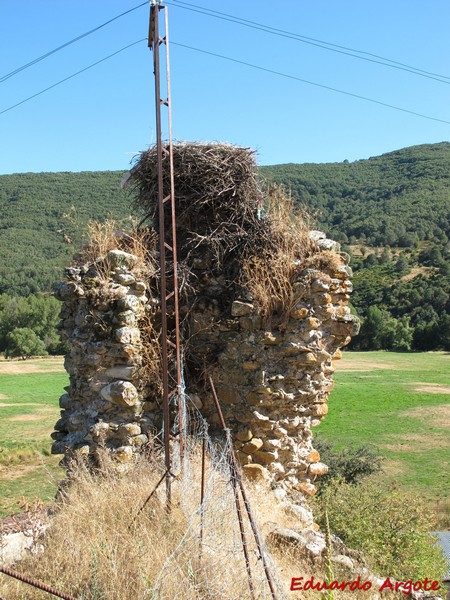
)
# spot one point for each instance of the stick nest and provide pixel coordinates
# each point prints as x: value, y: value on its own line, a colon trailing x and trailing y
x: 216, y: 194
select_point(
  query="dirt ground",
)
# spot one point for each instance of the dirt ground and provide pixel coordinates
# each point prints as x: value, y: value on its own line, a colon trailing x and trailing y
x: 53, y: 364
x: 435, y: 415
x: 431, y: 388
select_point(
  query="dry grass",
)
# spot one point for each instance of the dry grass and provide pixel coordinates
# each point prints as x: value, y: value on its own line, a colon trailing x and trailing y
x: 326, y: 261
x: 106, y: 236
x: 52, y: 364
x: 432, y: 415
x: 96, y: 547
x: 151, y: 370
x: 100, y: 547
x: 277, y: 255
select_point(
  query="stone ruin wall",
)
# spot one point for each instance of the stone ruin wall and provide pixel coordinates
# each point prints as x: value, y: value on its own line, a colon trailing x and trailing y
x: 272, y: 382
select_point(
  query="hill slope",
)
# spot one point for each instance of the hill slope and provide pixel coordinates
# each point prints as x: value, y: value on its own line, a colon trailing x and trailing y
x: 43, y: 220
x: 392, y: 212
x: 393, y: 199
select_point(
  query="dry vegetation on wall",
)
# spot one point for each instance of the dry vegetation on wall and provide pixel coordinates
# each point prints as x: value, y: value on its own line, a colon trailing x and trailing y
x: 224, y: 212
x: 277, y: 255
x: 107, y: 235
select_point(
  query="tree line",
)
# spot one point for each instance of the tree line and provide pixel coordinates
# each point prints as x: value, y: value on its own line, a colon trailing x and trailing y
x: 391, y: 213
x: 28, y: 326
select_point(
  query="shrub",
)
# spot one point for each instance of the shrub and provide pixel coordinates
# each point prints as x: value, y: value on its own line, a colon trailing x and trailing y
x: 352, y: 464
x: 23, y: 342
x: 390, y: 527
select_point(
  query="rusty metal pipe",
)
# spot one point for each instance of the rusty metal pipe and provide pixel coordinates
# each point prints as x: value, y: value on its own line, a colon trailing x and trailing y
x: 35, y: 584
x: 244, y: 495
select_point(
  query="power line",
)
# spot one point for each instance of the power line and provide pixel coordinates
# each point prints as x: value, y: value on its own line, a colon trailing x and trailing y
x: 314, y: 42
x: 326, y: 87
x: 235, y: 60
x: 83, y: 35
x: 71, y: 76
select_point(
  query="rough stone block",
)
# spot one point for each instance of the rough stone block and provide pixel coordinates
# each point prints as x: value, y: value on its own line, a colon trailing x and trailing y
x: 240, y: 309
x: 255, y: 472
x: 121, y: 372
x: 319, y: 410
x: 124, y: 454
x: 308, y: 488
x: 317, y: 469
x: 227, y: 395
x: 119, y: 258
x: 252, y: 446
x: 244, y: 434
x: 120, y: 392
x: 299, y: 313
x: 313, y: 457
x: 127, y: 335
x: 264, y: 458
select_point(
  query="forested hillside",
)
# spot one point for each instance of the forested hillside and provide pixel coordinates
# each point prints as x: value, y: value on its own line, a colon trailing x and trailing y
x: 391, y: 200
x: 390, y: 212
x: 43, y: 219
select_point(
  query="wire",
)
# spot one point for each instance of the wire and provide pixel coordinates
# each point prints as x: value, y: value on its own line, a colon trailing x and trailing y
x: 326, y: 87
x: 83, y: 35
x: 235, y: 60
x: 71, y: 76
x: 313, y: 42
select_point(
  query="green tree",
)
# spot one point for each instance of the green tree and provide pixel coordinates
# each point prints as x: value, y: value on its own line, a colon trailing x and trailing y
x: 370, y: 334
x: 396, y: 334
x: 24, y: 342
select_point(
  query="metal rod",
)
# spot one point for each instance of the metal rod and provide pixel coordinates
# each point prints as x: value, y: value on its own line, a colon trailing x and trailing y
x: 238, y: 475
x: 35, y: 584
x: 231, y: 464
x: 174, y: 239
x: 239, y: 513
x: 202, y: 493
x: 149, y: 497
x: 154, y: 38
x: 167, y: 242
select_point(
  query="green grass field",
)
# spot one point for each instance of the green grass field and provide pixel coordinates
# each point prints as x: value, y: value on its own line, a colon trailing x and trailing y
x: 398, y: 403
x: 29, y: 393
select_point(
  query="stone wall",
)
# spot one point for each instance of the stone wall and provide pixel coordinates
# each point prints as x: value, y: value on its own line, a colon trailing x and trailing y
x: 104, y: 303
x: 272, y: 380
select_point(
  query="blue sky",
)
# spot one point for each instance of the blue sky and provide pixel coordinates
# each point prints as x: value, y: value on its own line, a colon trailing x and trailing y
x: 101, y: 118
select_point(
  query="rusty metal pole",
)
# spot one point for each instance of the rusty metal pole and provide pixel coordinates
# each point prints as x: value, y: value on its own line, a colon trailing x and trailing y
x: 167, y: 242
x: 231, y: 464
x: 154, y: 44
x: 36, y: 584
x: 236, y: 471
x: 174, y: 243
x: 202, y: 493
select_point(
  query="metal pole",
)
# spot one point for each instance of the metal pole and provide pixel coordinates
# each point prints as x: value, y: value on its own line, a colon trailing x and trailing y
x: 202, y: 492
x: 167, y: 241
x: 174, y: 241
x: 35, y: 584
x: 154, y: 43
x: 231, y: 464
x: 237, y: 473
